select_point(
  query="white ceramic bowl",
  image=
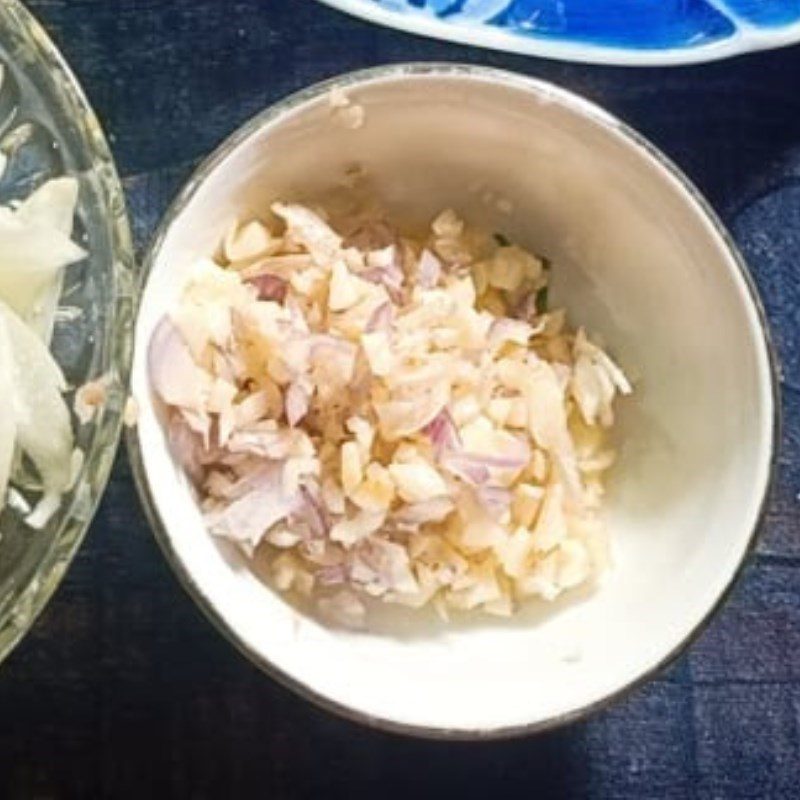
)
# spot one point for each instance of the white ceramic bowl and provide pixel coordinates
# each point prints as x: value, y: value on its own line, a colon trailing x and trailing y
x: 640, y: 259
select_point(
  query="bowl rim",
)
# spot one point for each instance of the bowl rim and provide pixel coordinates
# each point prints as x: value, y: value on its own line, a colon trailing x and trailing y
x: 597, y: 114
x: 32, y: 598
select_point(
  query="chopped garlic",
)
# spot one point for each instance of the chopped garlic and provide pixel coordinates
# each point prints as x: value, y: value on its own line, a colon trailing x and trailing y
x: 377, y: 491
x: 89, y: 398
x: 417, y: 481
x: 130, y: 414
x: 352, y: 472
x: 378, y: 419
x: 248, y: 242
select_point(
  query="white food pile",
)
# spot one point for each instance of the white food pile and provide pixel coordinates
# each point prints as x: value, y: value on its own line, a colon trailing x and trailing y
x: 389, y: 417
x: 35, y: 246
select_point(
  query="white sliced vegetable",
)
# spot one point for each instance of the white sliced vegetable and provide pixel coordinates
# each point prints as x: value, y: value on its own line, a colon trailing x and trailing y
x: 35, y: 384
x: 175, y: 376
x: 30, y: 260
x: 35, y: 246
x: 52, y: 205
x: 8, y: 422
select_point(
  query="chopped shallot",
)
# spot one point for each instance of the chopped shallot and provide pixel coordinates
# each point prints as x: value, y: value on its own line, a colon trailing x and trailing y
x: 372, y: 413
x: 270, y: 287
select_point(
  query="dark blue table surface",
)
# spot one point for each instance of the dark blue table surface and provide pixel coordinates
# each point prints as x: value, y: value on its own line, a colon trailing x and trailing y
x: 123, y: 689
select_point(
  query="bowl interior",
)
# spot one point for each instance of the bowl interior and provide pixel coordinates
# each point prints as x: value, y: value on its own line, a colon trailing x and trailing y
x: 637, y: 260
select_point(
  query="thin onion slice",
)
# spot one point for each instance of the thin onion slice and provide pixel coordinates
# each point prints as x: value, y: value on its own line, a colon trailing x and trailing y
x: 42, y: 420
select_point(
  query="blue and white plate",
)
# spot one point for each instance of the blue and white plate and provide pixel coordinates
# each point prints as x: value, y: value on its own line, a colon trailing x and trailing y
x: 600, y: 31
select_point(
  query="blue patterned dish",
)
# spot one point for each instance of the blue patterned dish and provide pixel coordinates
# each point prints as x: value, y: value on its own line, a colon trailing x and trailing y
x: 601, y: 31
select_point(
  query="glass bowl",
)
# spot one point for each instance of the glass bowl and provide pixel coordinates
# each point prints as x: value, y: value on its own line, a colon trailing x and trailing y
x: 47, y: 129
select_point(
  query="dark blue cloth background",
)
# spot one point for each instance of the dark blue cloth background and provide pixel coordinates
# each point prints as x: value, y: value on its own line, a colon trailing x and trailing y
x: 123, y: 689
